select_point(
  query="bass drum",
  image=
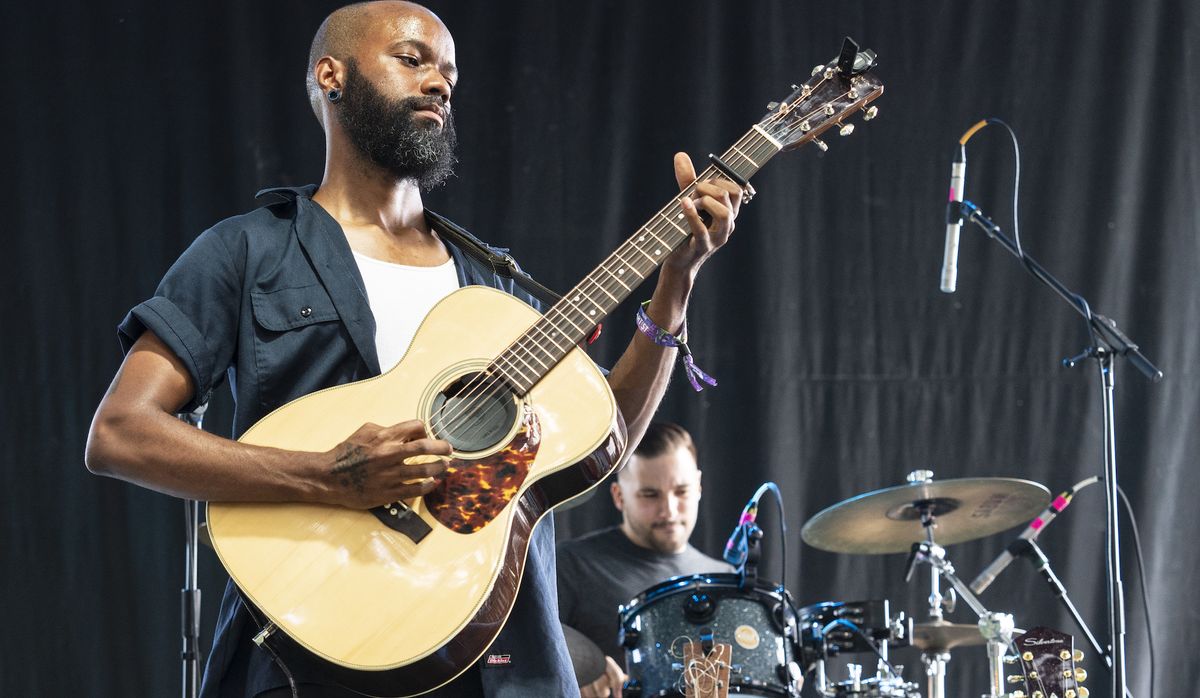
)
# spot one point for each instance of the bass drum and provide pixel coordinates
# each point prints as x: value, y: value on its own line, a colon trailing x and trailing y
x: 656, y: 625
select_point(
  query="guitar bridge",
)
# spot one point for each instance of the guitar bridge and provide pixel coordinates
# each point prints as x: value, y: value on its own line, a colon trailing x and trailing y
x: 400, y: 517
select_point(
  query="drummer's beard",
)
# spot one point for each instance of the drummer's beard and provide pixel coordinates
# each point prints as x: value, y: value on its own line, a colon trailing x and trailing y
x: 669, y: 537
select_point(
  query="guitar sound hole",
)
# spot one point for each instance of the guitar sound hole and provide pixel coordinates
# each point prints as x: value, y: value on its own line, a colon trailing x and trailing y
x: 474, y: 413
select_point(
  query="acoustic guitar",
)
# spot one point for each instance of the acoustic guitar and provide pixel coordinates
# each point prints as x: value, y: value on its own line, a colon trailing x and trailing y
x: 401, y: 599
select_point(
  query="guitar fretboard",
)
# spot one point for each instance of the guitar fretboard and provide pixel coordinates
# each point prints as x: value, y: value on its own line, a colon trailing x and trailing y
x: 573, y: 318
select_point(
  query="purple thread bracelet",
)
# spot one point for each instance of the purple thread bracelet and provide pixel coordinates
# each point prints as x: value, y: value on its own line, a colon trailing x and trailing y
x: 663, y: 338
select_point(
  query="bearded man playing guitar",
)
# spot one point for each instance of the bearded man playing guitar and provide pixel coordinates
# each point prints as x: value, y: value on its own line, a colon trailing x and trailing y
x: 325, y: 286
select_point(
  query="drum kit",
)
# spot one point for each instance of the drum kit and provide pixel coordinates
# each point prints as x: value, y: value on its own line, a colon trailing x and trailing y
x: 719, y: 634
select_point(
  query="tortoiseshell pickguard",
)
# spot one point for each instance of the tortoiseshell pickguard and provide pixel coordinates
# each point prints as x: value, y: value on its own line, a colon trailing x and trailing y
x: 470, y: 493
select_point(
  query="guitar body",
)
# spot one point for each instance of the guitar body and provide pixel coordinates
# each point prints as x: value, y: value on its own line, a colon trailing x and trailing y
x: 388, y: 614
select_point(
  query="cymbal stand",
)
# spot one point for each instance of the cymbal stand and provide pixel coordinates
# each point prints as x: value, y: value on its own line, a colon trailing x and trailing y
x: 929, y: 551
x: 996, y: 628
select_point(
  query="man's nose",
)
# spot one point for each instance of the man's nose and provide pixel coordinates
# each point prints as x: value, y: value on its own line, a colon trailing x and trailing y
x: 671, y: 502
x: 436, y: 84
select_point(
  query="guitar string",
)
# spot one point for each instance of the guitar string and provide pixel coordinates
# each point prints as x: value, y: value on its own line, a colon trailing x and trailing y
x: 473, y: 406
x: 476, y: 403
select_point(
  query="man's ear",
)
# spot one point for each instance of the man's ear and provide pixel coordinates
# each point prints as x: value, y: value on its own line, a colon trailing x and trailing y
x: 615, y: 490
x: 330, y: 74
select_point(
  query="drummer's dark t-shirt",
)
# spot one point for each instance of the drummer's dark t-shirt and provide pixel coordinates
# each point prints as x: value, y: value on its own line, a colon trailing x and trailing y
x: 602, y: 570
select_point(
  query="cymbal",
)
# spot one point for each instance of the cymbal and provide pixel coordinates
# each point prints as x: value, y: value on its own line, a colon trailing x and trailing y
x: 889, y: 520
x: 586, y: 656
x: 940, y: 635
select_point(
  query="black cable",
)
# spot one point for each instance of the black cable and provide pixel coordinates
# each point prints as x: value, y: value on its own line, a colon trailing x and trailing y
x: 1137, y: 547
x: 866, y: 638
x: 788, y: 606
x: 1025, y: 261
x: 271, y: 650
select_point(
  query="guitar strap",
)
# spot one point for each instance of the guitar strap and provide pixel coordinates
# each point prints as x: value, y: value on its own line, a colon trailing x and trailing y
x: 499, y: 260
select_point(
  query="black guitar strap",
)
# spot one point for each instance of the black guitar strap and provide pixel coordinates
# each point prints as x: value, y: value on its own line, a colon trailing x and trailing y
x: 497, y: 258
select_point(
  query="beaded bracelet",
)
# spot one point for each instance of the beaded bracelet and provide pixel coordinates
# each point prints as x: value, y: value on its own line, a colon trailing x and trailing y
x: 663, y: 338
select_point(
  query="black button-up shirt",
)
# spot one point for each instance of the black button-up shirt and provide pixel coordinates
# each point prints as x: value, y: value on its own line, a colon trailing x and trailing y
x: 273, y: 301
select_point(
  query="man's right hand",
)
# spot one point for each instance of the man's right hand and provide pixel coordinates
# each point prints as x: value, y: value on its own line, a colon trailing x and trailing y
x: 608, y: 685
x: 378, y: 465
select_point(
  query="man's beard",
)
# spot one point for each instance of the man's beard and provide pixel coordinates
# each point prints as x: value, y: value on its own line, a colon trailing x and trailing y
x: 389, y: 133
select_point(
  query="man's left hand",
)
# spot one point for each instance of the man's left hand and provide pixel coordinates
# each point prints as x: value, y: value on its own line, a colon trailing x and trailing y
x: 720, y: 199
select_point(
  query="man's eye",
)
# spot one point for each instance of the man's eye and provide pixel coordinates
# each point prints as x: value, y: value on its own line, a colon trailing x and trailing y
x: 410, y: 60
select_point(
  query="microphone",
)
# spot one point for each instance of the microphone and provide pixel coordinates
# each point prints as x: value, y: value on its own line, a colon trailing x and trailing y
x: 1035, y: 527
x: 958, y: 180
x: 737, y: 548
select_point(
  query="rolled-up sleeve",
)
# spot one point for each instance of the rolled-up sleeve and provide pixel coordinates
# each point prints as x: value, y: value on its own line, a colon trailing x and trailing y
x: 195, y: 312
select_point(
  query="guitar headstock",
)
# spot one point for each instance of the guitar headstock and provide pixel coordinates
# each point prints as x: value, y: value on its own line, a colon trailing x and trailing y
x: 835, y: 90
x: 1049, y: 665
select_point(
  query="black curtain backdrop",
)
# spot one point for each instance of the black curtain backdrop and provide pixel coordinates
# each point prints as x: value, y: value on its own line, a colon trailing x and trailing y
x: 132, y: 126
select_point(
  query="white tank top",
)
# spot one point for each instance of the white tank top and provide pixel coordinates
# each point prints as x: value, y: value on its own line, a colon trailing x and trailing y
x: 400, y: 297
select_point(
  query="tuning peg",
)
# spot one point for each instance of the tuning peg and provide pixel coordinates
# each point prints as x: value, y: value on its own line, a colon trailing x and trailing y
x: 1077, y: 655
x: 771, y: 106
x: 1080, y: 676
x: 1016, y: 679
x: 817, y: 68
x: 1070, y: 693
x: 869, y: 114
x: 1082, y: 692
x: 1010, y: 659
x: 821, y: 144
x: 846, y: 130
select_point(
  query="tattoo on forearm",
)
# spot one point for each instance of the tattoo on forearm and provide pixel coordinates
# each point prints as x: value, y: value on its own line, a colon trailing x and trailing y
x: 351, y: 468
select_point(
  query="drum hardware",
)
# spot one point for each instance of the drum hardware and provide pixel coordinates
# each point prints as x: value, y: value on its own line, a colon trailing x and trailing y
x: 995, y: 628
x: 831, y: 628
x: 905, y: 518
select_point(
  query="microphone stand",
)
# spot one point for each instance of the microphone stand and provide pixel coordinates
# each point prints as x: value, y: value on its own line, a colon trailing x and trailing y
x: 1030, y: 550
x: 1108, y: 341
x: 190, y: 594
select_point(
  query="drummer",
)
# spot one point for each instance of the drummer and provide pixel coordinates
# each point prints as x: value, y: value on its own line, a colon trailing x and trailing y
x: 658, y: 495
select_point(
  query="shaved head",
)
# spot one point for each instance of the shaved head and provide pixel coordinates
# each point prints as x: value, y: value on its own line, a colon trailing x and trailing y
x: 340, y: 35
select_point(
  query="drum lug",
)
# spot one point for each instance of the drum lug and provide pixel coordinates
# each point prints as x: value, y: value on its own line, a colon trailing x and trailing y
x: 632, y: 689
x: 628, y: 637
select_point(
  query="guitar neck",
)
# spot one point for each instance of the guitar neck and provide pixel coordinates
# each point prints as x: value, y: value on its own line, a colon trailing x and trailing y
x: 570, y: 320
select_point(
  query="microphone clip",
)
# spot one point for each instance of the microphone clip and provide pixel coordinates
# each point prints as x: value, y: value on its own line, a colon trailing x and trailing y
x: 748, y: 570
x: 957, y: 212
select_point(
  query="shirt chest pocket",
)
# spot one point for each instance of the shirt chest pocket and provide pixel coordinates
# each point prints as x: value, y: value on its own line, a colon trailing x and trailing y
x: 300, y: 343
x: 291, y: 308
